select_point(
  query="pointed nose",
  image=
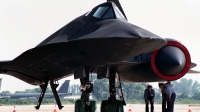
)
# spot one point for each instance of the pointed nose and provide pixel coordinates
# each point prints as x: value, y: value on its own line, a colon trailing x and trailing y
x: 170, y: 60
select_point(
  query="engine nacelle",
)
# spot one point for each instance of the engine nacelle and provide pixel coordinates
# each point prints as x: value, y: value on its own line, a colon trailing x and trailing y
x: 172, y: 61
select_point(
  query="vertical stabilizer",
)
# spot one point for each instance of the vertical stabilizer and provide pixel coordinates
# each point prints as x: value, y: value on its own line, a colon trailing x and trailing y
x: 119, y: 6
x: 64, y: 87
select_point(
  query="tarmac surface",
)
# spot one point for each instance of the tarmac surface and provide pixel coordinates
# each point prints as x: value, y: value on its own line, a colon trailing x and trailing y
x: 70, y: 108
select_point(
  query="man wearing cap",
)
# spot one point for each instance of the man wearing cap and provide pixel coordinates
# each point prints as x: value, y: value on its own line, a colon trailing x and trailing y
x: 164, y: 96
x: 149, y: 95
x: 168, y: 95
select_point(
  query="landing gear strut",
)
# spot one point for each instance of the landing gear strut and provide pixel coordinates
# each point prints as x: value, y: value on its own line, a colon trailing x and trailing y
x: 53, y: 87
x: 86, y: 88
x: 112, y: 104
x: 43, y: 87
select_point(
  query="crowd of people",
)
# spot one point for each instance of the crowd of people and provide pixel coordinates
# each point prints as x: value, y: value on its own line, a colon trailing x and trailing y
x: 168, y: 97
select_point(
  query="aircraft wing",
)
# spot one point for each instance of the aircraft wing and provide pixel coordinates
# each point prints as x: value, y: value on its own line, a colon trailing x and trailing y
x: 56, y: 61
x: 193, y: 71
x: 192, y: 66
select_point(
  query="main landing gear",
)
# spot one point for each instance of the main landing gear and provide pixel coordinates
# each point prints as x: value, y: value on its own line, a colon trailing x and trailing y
x: 43, y: 87
x: 110, y: 105
x: 54, y: 85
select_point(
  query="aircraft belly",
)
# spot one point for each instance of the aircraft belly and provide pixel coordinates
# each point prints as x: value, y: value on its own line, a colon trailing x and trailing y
x: 100, y: 52
x: 137, y: 73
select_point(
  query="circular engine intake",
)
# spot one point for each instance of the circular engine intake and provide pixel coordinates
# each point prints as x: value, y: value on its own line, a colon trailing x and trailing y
x: 171, y: 62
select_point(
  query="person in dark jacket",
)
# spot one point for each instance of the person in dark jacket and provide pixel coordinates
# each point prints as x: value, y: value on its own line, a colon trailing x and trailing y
x: 164, y: 96
x: 149, y: 95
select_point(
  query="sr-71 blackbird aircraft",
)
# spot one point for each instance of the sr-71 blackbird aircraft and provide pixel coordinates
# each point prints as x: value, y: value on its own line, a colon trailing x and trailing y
x: 62, y: 92
x: 100, y: 41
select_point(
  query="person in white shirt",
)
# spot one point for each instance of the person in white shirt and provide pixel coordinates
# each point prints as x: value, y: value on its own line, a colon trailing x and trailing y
x: 171, y: 96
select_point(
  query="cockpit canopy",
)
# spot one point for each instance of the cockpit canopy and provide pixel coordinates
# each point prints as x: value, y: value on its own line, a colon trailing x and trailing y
x: 106, y: 10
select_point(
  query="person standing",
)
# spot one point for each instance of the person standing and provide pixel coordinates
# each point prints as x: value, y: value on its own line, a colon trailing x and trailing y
x: 164, y: 96
x: 171, y: 96
x: 149, y: 95
x: 168, y: 95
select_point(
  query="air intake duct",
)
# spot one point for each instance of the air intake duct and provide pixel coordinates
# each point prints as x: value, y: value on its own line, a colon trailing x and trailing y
x: 171, y: 62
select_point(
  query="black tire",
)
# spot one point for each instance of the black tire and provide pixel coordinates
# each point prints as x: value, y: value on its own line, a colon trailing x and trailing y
x: 80, y: 106
x: 93, y: 106
x: 112, y: 106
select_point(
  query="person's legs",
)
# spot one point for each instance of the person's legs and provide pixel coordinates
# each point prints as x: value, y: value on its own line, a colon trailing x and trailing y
x: 172, y: 102
x: 152, y: 105
x: 169, y: 104
x: 147, y: 104
x: 164, y: 101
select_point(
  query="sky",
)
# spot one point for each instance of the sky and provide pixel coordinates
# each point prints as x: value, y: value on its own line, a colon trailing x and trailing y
x: 25, y: 23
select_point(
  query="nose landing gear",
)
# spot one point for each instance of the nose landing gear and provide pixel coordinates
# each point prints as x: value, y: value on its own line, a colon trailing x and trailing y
x: 112, y: 104
x: 84, y: 104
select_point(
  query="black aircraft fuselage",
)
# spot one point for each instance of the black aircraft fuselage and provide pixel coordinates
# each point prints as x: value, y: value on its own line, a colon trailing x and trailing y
x: 100, y: 41
x: 101, y: 37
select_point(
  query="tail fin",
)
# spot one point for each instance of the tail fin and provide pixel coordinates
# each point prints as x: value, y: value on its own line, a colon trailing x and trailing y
x: 64, y: 87
x: 119, y: 6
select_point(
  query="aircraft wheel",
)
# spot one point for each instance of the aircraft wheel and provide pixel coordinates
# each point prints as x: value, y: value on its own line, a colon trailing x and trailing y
x: 112, y: 106
x: 93, y: 106
x: 80, y: 106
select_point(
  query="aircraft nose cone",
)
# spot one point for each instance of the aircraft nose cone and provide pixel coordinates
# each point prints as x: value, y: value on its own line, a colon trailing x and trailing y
x: 170, y: 60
